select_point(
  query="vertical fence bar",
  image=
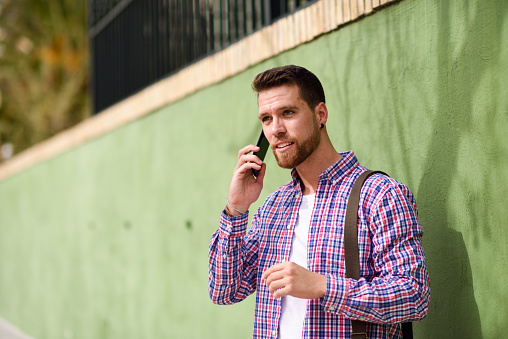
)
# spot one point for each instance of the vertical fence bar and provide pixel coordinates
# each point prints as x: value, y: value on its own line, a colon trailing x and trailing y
x: 181, y: 33
x: 240, y: 15
x: 246, y: 11
x: 227, y: 22
x: 223, y: 23
x: 233, y: 10
x: 266, y: 12
x: 216, y: 26
x: 249, y: 26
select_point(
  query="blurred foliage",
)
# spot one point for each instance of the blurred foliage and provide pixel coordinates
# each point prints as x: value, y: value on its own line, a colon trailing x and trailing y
x: 43, y: 69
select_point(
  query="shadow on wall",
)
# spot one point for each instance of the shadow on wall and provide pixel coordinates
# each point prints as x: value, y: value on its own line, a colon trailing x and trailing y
x: 454, y: 312
x: 463, y: 31
x: 465, y: 47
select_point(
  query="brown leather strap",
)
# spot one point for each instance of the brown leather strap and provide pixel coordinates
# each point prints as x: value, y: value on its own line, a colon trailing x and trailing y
x: 407, y: 330
x: 351, y: 252
x: 351, y: 229
x: 359, y: 329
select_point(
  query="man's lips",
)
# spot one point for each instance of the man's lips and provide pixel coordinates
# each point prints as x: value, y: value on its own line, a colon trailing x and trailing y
x: 282, y: 146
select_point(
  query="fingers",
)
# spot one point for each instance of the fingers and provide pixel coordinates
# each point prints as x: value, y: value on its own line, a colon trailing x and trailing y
x: 244, y: 188
x: 288, y: 278
x: 278, y: 284
x: 246, y: 153
x: 280, y: 288
x: 278, y: 279
x: 273, y: 268
x: 245, y: 157
x: 247, y: 162
x: 248, y: 149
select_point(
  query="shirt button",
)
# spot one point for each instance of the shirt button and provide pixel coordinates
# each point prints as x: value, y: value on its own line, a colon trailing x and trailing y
x: 332, y: 308
x: 224, y: 256
x: 297, y: 195
x: 274, y: 333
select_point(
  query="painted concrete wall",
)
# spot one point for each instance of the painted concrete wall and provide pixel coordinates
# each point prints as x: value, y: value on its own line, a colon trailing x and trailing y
x: 109, y: 240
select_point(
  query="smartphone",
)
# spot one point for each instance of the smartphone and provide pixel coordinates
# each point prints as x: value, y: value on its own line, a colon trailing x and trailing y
x: 263, y: 144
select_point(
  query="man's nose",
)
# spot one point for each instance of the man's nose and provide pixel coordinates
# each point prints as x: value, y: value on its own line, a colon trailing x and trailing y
x: 278, y: 127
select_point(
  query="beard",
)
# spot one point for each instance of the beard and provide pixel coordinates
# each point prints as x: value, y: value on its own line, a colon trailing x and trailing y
x: 302, y: 150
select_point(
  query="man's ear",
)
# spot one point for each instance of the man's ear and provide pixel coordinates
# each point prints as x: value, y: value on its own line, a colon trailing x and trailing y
x: 321, y: 112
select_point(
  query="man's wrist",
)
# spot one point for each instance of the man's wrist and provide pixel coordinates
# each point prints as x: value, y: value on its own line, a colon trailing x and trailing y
x: 231, y: 211
x: 227, y: 212
x: 321, y: 285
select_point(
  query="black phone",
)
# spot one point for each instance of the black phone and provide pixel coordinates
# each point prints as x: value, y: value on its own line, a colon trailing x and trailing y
x: 263, y: 144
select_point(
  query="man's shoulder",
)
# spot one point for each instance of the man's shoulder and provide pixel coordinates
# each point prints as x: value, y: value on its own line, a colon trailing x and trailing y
x: 379, y: 181
x: 379, y: 185
x: 382, y: 181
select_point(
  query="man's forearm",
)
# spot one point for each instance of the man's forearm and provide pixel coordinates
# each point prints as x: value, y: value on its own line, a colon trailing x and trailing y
x: 380, y: 301
x: 226, y: 272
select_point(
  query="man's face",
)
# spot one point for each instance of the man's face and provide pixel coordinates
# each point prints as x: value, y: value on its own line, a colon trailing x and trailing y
x: 289, y: 124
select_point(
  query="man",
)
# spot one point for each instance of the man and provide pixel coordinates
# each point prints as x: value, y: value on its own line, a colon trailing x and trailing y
x: 293, y: 253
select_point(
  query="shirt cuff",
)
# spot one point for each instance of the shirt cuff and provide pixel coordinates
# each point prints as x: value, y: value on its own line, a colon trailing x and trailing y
x: 337, y: 292
x: 233, y: 226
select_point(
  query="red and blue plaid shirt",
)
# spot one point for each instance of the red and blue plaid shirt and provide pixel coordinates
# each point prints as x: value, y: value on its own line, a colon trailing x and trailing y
x: 394, y: 286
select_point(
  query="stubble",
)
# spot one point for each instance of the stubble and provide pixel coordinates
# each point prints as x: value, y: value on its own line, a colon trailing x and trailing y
x: 303, y: 150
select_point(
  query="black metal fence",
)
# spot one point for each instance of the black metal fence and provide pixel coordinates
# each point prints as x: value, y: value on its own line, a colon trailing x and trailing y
x: 135, y: 43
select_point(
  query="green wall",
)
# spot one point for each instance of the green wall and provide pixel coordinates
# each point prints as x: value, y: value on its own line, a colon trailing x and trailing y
x: 110, y: 239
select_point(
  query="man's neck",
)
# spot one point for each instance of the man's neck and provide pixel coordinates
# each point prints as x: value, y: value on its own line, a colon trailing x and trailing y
x: 310, y: 170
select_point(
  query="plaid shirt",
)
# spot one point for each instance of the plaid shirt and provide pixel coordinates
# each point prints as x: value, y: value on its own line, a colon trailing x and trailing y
x: 394, y: 285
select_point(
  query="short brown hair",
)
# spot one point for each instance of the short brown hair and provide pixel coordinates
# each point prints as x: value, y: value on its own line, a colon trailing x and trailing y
x: 309, y: 86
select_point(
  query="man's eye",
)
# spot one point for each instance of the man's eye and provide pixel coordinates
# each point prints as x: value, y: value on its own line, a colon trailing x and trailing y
x: 265, y: 119
x: 288, y: 112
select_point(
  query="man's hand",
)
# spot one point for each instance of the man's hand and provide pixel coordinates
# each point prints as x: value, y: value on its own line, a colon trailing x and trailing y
x: 291, y: 279
x: 245, y: 188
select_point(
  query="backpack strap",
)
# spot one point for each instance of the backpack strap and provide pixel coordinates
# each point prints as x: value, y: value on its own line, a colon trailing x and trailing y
x: 351, y: 228
x: 351, y: 251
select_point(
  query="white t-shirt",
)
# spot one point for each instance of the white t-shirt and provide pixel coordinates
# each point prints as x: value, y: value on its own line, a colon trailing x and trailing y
x: 293, y: 309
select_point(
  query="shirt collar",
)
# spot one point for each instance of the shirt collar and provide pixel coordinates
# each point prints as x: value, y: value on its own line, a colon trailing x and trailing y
x: 336, y: 172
